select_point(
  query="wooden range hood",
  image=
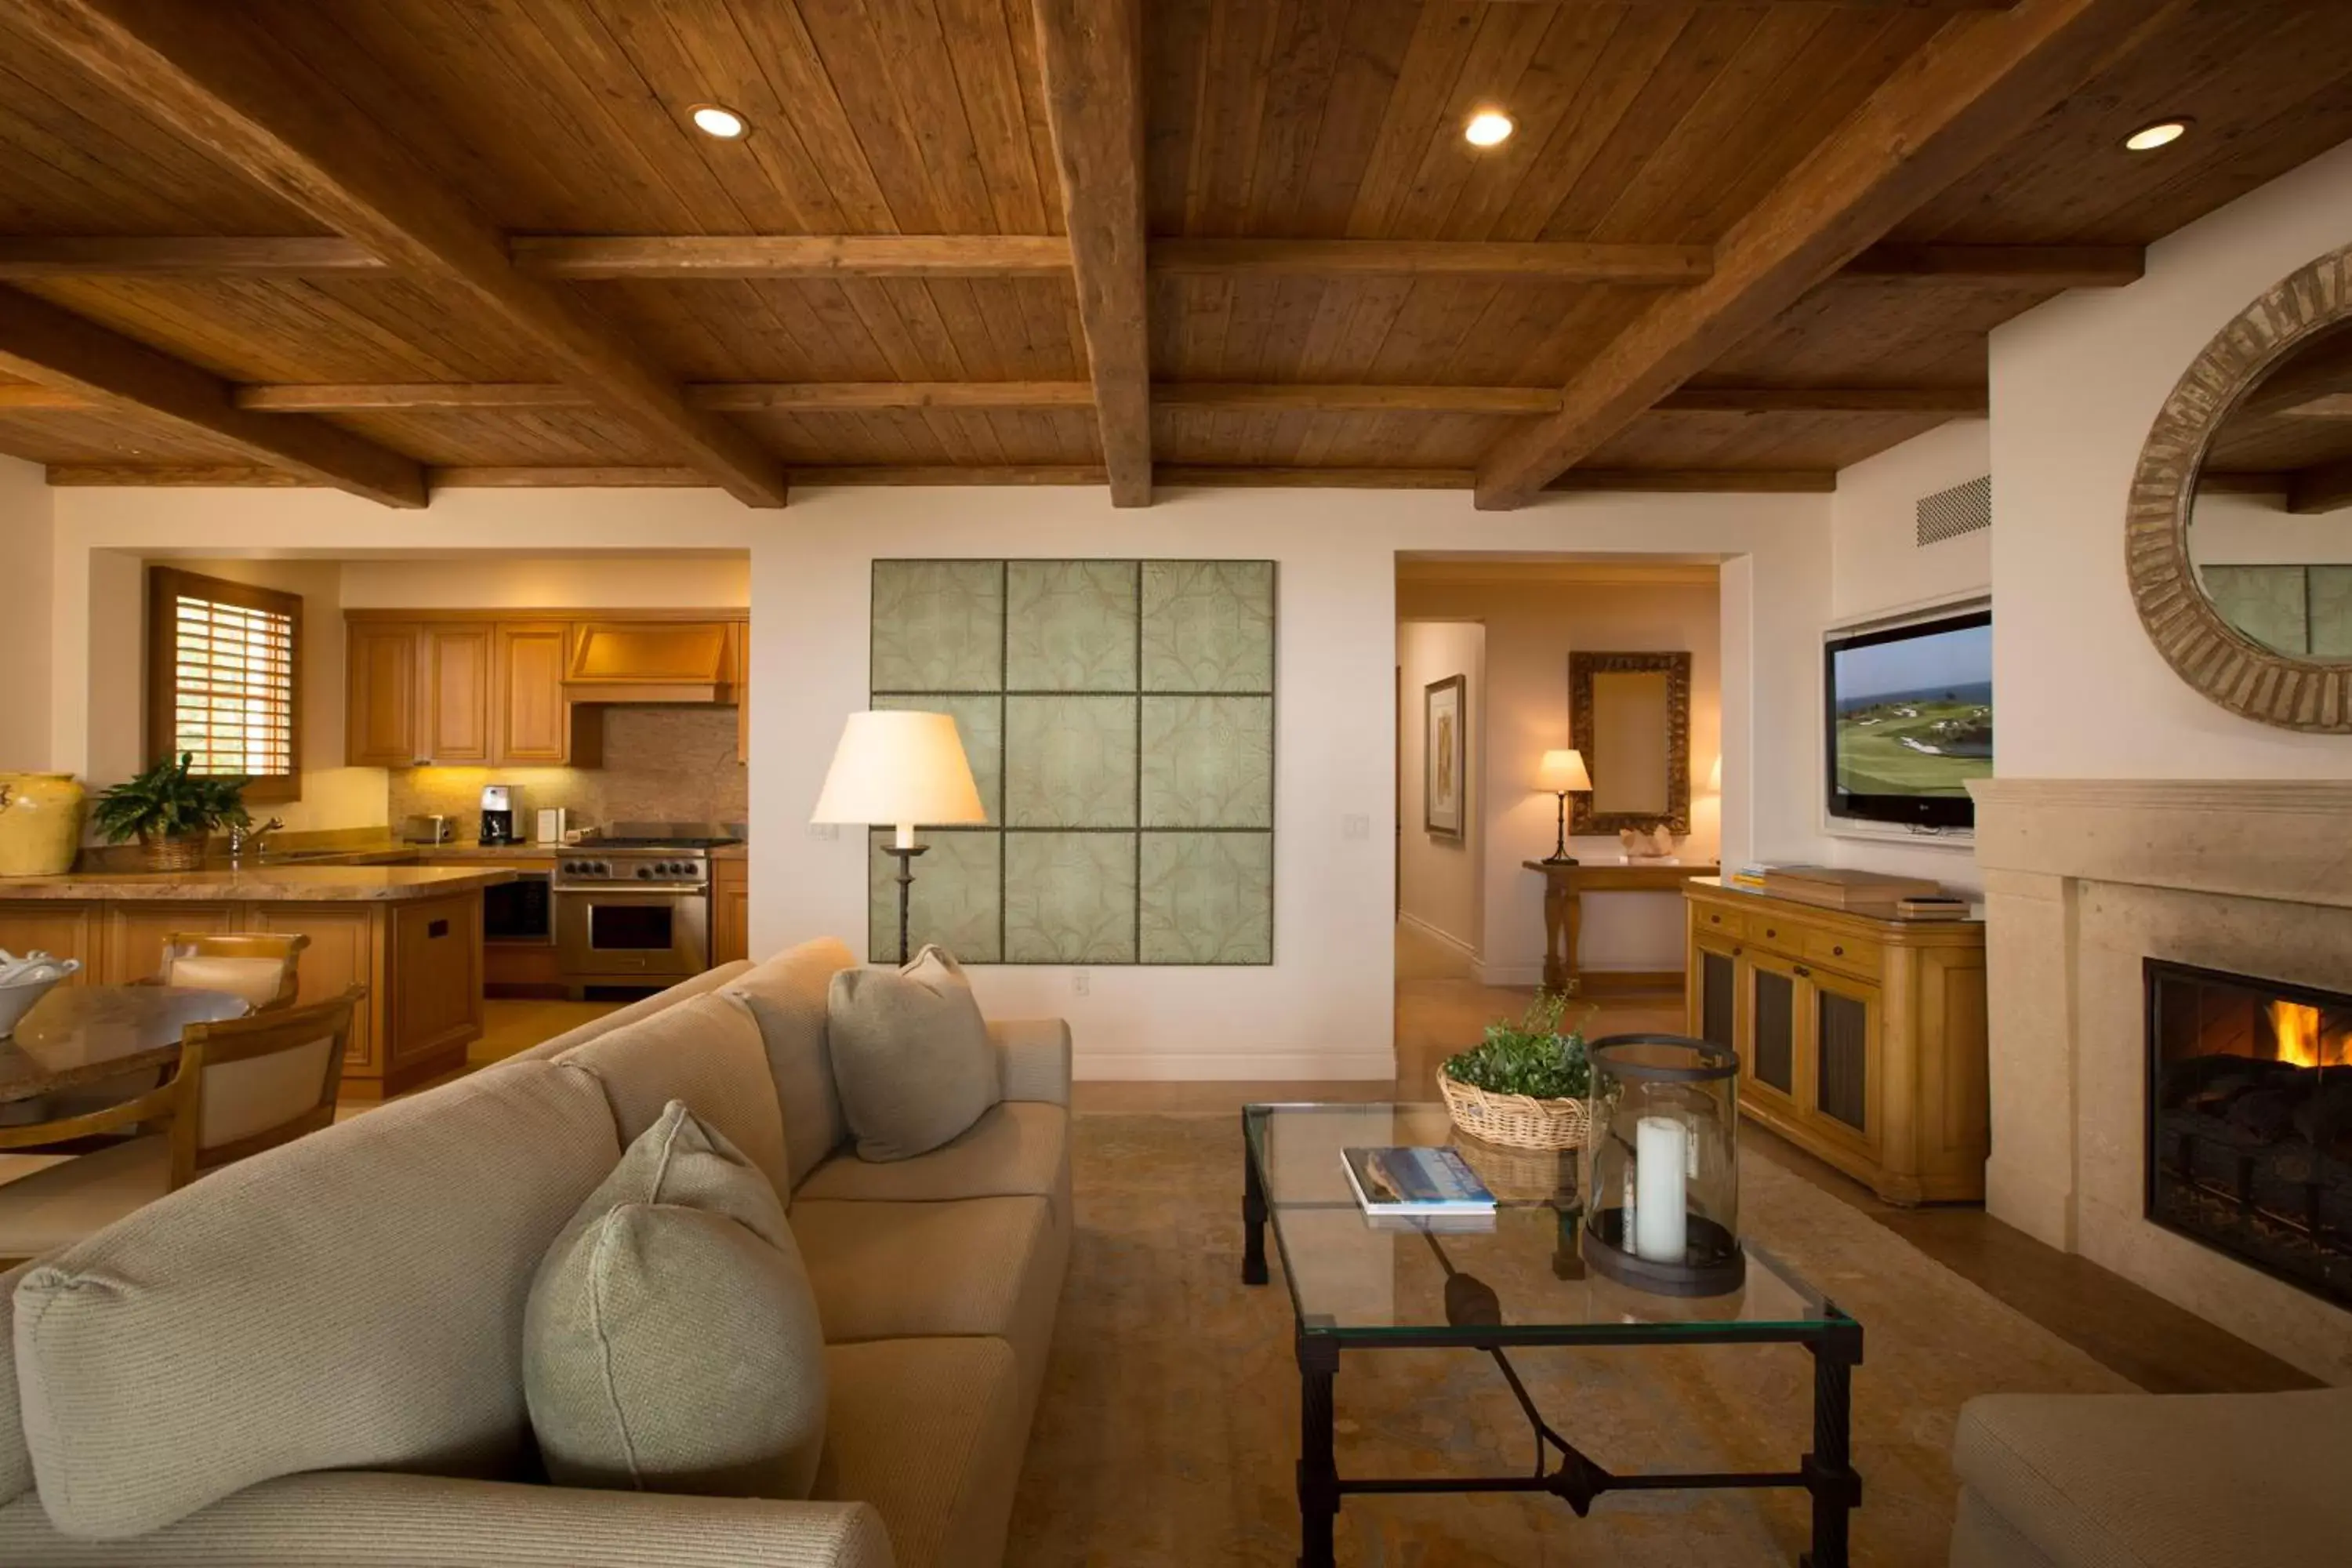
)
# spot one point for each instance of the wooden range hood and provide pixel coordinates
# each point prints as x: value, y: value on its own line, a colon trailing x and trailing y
x: 652, y: 661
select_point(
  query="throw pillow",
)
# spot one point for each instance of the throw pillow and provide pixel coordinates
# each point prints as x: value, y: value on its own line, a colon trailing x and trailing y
x: 911, y: 1055
x: 671, y: 1341
x: 786, y: 994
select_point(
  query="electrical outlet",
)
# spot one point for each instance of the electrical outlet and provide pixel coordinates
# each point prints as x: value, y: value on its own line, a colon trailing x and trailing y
x: 824, y: 830
x: 1356, y: 826
x: 1081, y: 982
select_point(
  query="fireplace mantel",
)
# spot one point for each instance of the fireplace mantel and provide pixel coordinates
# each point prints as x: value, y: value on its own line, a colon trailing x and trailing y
x: 2084, y: 878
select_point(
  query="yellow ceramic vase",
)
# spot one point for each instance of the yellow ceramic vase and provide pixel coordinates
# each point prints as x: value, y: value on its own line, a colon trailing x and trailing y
x: 40, y: 824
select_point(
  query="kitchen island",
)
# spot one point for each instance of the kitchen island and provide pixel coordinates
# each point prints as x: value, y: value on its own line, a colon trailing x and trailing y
x: 411, y: 934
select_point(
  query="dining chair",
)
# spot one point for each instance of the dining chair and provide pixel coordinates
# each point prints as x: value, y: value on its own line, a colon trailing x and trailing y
x: 242, y: 1086
x: 259, y: 966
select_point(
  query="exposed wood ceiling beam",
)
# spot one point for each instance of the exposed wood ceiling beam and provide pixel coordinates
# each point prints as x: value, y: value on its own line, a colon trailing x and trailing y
x: 1541, y: 261
x: 1836, y: 4
x: 1090, y: 53
x: 187, y: 67
x: 69, y: 353
x: 717, y: 257
x: 1678, y: 480
x: 1978, y: 83
x: 819, y: 256
x: 2327, y: 488
x: 2326, y: 405
x: 2305, y: 386
x: 753, y: 397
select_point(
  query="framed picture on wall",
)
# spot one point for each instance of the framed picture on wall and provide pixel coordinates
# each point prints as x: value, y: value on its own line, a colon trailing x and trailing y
x: 1445, y: 754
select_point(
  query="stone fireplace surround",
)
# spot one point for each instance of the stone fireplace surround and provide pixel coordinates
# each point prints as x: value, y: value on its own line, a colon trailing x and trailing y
x: 2083, y: 878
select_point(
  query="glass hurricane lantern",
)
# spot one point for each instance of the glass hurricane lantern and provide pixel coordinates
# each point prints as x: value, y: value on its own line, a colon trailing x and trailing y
x: 1662, y: 1166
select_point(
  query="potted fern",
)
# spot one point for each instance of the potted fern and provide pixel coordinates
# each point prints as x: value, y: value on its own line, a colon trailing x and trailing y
x: 1524, y: 1084
x: 171, y: 814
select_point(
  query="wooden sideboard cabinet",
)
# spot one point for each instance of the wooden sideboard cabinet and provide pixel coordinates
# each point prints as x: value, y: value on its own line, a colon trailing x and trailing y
x: 1861, y: 1040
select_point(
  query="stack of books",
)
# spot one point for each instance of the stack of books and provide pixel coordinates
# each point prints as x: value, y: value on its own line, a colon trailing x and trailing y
x: 1419, y: 1185
x: 1751, y: 876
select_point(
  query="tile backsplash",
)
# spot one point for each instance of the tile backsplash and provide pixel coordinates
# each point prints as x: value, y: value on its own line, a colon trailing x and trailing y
x: 663, y: 762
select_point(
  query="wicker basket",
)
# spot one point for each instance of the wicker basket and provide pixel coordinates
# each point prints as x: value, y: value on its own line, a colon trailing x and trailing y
x: 173, y: 852
x: 1514, y: 1121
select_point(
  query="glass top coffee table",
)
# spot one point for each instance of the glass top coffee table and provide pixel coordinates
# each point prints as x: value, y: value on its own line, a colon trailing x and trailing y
x: 1359, y: 1284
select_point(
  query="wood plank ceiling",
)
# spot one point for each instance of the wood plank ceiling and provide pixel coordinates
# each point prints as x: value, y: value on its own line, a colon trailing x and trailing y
x: 420, y: 243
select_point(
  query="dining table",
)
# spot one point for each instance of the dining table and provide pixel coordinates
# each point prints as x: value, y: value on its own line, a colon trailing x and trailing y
x: 78, y: 1035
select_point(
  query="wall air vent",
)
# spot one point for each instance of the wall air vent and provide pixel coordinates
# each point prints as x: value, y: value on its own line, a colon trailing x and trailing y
x: 1963, y: 509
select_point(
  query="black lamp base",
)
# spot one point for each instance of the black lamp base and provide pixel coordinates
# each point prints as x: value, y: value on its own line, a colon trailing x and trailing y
x: 1559, y: 855
x: 905, y: 885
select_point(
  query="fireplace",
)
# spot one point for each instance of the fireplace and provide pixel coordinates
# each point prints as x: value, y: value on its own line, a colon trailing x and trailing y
x: 2250, y: 1120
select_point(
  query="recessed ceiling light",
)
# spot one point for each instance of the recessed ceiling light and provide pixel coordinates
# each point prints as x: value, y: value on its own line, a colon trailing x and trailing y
x: 2163, y: 133
x: 1487, y: 128
x: 712, y: 120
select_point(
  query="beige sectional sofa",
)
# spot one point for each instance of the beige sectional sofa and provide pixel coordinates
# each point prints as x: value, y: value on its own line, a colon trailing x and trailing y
x: 313, y: 1356
x: 2146, y: 1480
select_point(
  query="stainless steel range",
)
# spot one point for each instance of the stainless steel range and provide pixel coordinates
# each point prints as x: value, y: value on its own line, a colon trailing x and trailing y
x: 633, y: 904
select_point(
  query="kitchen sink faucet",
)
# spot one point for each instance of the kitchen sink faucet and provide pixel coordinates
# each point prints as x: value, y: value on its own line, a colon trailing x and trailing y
x: 243, y: 836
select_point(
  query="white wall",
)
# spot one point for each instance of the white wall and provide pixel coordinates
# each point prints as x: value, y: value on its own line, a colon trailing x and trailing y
x: 1533, y: 621
x: 2258, y: 530
x: 567, y: 582
x: 2075, y: 385
x: 1878, y: 568
x: 1323, y: 1008
x: 1438, y: 878
x: 25, y: 556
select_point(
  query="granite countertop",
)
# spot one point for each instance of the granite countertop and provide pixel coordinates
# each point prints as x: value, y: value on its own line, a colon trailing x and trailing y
x: 303, y: 884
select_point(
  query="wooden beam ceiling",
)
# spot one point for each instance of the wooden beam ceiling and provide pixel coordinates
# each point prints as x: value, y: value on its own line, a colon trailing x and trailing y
x: 1981, y: 81
x: 186, y: 67
x: 68, y: 353
x: 1311, y: 397
x: 1090, y: 52
x: 724, y: 258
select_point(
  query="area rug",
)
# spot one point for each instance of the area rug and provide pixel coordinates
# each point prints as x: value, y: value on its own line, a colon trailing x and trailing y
x: 1168, y: 1426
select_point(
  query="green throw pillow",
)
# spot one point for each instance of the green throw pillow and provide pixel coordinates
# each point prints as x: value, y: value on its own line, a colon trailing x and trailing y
x: 911, y: 1056
x: 671, y: 1341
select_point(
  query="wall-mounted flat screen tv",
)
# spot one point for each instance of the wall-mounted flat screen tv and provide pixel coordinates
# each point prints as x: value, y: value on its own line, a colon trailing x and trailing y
x: 1910, y: 720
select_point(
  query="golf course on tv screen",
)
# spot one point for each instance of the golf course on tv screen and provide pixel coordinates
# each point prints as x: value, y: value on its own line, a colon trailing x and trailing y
x: 1915, y: 716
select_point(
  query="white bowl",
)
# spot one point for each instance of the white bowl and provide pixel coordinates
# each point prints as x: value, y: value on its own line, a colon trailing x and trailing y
x: 18, y: 999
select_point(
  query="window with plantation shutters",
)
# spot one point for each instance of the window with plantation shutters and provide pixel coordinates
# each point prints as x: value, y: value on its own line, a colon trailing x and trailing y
x: 224, y: 662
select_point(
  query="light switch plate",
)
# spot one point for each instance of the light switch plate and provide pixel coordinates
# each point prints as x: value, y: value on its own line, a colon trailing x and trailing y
x: 1356, y: 826
x: 828, y: 830
x: 1081, y: 982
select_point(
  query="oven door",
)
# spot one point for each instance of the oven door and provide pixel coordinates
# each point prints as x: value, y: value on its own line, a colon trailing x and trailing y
x: 620, y: 937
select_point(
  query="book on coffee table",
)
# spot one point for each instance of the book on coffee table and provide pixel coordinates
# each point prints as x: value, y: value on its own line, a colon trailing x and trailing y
x: 1839, y: 888
x: 1415, y: 1183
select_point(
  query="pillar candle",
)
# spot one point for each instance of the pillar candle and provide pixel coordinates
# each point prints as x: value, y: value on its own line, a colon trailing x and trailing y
x: 1661, y: 1147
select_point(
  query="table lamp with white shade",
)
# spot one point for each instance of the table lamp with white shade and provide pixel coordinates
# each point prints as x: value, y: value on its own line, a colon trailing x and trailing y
x: 896, y: 769
x: 1562, y: 773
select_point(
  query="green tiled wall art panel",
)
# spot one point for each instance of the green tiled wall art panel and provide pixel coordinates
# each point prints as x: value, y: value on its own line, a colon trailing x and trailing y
x: 1118, y: 716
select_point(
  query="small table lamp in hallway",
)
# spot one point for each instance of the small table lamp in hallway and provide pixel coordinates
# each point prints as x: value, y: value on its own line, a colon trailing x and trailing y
x: 896, y: 769
x: 1562, y: 773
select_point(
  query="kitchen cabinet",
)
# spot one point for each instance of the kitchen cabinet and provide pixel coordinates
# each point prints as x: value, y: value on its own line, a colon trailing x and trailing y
x: 457, y: 730
x: 458, y: 693
x: 730, y: 911
x: 1861, y: 1040
x: 420, y: 959
x: 379, y: 695
x: 536, y: 725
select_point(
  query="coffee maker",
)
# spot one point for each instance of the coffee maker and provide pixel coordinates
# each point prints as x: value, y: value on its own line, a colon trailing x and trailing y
x: 498, y: 814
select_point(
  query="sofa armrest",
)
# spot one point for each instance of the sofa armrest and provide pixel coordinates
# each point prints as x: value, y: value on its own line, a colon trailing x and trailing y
x: 360, y: 1518
x: 1033, y: 1059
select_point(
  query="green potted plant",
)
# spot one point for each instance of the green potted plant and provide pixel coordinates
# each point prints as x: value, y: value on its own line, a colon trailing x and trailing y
x: 171, y: 814
x: 1524, y: 1084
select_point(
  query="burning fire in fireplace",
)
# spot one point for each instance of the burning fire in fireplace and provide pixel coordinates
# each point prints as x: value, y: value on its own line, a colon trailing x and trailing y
x: 2297, y: 1028
x: 2250, y: 1120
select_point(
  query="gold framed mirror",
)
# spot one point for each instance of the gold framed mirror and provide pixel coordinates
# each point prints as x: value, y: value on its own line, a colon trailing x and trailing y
x: 2237, y: 541
x: 1629, y: 713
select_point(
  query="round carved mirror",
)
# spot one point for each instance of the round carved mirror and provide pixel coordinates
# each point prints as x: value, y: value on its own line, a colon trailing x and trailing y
x: 2239, y: 539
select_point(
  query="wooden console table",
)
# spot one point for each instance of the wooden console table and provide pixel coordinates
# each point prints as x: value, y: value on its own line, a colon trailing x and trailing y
x: 1564, y: 888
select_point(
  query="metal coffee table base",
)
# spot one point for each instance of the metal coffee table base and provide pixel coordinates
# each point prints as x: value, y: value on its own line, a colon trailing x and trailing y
x: 1561, y: 1468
